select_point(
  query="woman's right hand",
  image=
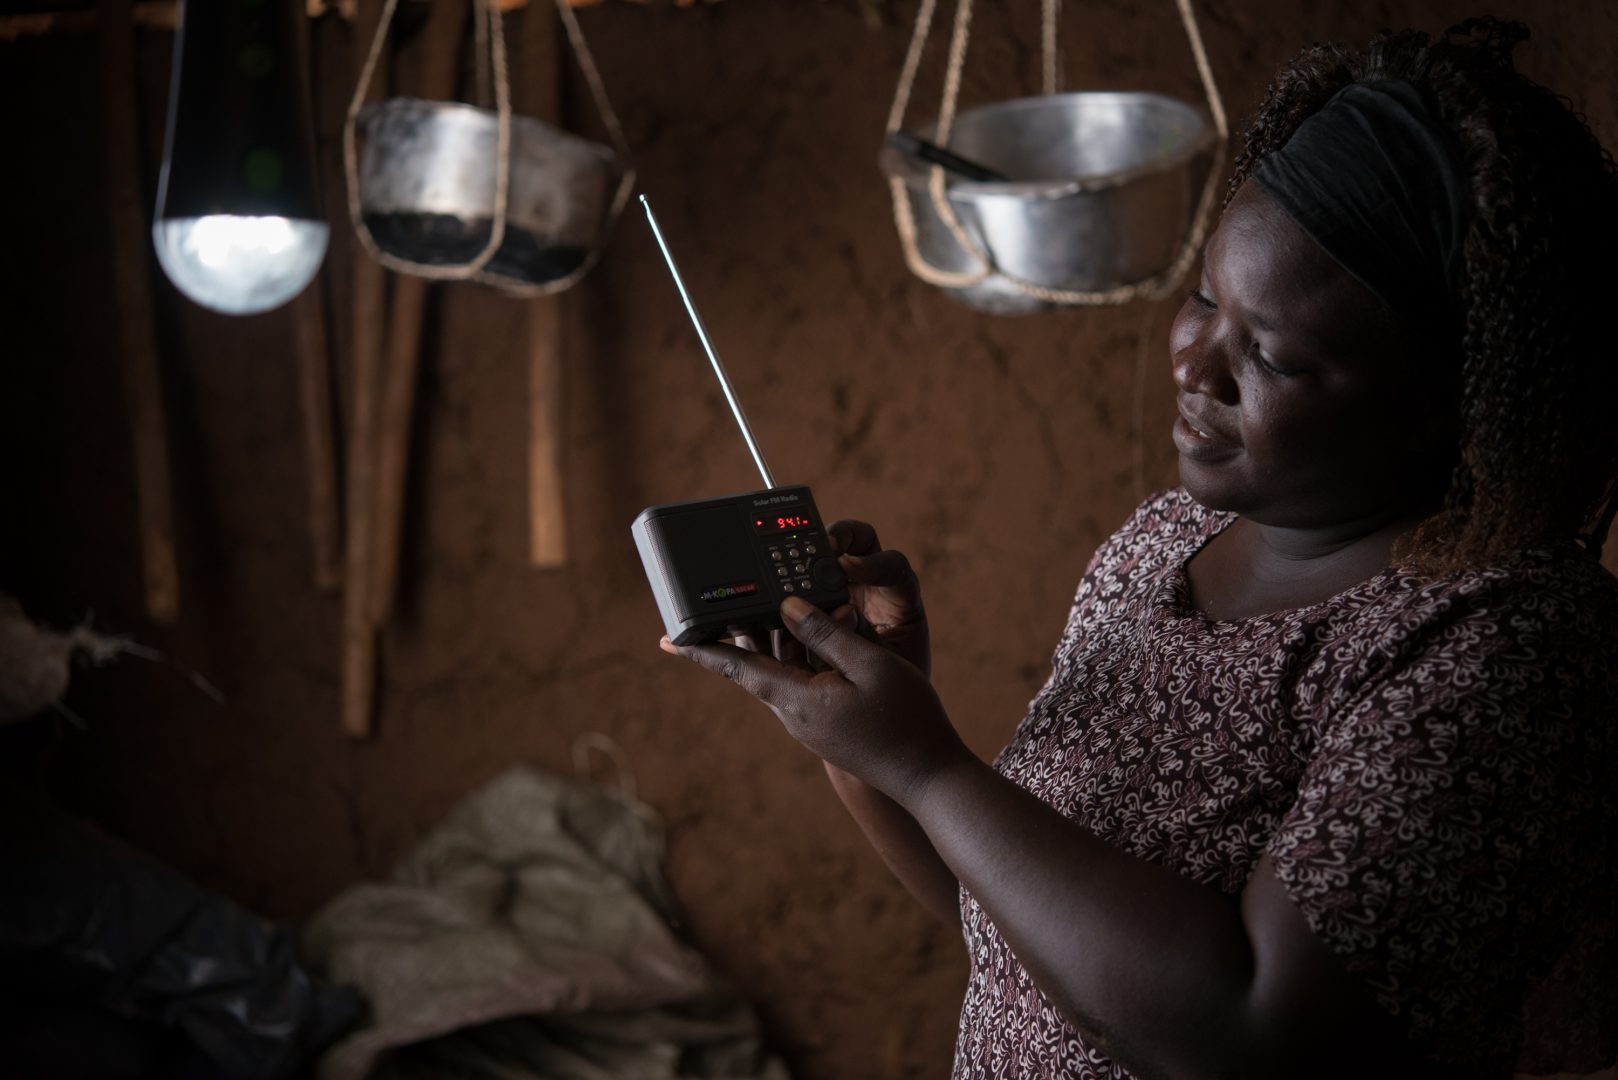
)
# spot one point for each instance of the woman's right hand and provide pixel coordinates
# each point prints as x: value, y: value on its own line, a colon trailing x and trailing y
x: 883, y: 592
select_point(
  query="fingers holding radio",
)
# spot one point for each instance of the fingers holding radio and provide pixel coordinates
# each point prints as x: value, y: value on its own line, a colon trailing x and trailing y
x: 850, y: 537
x: 831, y: 639
x: 869, y: 712
x: 761, y: 639
x: 754, y: 639
x: 885, y: 590
x: 788, y: 649
x: 872, y: 714
x: 763, y: 676
x: 881, y: 569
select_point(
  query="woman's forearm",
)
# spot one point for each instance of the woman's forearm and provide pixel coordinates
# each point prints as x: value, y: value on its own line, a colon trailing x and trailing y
x: 1152, y: 966
x: 902, y: 844
x: 1166, y: 976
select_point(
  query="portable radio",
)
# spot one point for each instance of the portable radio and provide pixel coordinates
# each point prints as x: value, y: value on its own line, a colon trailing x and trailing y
x: 721, y: 566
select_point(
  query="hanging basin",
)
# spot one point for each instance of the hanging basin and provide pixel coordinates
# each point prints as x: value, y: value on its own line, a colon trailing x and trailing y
x: 1106, y: 186
x: 427, y: 179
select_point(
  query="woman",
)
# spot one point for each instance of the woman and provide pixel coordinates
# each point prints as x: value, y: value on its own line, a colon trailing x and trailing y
x: 1321, y: 783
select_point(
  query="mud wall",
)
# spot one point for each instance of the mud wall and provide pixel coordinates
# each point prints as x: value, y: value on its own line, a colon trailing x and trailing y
x: 996, y: 451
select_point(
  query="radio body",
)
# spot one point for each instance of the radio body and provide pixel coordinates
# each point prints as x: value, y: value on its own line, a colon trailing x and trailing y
x: 717, y: 566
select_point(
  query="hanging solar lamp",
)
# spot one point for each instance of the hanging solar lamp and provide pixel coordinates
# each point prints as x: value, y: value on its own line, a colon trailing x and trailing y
x: 238, y: 226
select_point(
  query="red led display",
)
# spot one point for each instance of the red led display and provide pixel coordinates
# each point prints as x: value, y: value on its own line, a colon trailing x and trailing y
x: 781, y: 523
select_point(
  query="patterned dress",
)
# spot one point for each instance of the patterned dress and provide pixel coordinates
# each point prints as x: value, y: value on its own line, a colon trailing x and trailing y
x: 1433, y: 767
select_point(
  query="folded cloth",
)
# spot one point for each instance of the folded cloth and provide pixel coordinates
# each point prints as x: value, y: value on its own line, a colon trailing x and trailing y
x: 530, y: 935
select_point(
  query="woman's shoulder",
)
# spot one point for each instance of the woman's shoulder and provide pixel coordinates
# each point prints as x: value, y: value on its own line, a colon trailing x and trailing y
x: 1534, y: 632
x: 1559, y: 592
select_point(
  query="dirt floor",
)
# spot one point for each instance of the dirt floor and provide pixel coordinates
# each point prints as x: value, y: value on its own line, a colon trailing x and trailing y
x: 996, y: 451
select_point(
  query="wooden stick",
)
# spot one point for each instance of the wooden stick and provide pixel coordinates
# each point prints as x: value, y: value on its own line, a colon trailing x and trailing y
x: 393, y: 440
x: 547, y: 522
x: 312, y: 345
x: 165, y: 15
x: 131, y: 244
x: 162, y: 14
x: 359, y: 634
x: 318, y: 332
x: 440, y: 48
x: 546, y: 517
x: 320, y: 452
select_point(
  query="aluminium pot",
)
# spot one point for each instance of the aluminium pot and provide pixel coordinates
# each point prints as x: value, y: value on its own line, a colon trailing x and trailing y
x: 1106, y: 187
x: 427, y: 189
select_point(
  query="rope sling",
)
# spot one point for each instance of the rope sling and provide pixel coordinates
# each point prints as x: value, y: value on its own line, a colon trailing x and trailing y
x: 1153, y: 287
x: 490, y: 37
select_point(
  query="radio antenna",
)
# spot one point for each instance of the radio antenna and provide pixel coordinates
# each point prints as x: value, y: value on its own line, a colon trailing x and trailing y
x: 713, y: 357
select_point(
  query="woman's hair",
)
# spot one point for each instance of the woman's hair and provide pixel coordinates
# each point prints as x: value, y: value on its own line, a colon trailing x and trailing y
x: 1535, y: 460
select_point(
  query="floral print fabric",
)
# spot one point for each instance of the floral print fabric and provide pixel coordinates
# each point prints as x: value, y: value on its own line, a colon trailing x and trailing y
x: 1431, y: 765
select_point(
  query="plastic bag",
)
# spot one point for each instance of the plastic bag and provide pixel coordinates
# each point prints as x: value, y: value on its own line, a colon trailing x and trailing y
x: 106, y: 951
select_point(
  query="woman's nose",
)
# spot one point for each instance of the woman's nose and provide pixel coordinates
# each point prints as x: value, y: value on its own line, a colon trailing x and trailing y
x: 1201, y: 367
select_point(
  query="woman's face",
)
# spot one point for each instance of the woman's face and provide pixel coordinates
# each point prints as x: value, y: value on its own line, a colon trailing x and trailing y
x: 1302, y: 403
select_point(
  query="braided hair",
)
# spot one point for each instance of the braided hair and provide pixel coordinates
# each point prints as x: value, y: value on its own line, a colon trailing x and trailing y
x: 1534, y: 459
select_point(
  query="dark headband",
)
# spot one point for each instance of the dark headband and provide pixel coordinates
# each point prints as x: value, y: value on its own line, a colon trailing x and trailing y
x: 1380, y: 185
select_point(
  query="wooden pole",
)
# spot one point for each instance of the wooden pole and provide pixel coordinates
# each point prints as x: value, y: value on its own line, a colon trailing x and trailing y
x: 311, y: 344
x: 165, y: 15
x: 132, y: 285
x: 440, y: 46
x: 359, y: 634
x: 547, y: 521
x: 319, y: 448
x: 399, y: 381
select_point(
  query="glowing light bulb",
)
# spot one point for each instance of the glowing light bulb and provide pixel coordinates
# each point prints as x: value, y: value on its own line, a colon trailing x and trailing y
x: 240, y: 265
x: 238, y: 225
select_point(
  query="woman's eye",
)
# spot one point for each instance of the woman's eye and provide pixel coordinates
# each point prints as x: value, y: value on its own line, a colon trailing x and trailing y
x: 1264, y: 362
x: 1204, y: 301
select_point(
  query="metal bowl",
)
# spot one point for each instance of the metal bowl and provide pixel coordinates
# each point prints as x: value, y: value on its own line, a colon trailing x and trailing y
x: 1107, y: 185
x: 427, y: 189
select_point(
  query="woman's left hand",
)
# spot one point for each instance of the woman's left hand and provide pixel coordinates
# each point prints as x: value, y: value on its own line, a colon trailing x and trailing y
x: 870, y: 713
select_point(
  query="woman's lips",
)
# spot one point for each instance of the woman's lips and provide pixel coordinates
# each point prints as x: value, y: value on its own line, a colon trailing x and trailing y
x: 1199, y: 445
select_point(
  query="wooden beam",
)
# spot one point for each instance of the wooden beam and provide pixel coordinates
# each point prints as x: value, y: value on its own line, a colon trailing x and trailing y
x: 165, y: 15
x: 132, y: 288
x: 313, y: 361
x: 401, y: 372
x: 440, y: 52
x: 547, y: 532
x: 541, y: 97
x: 369, y: 312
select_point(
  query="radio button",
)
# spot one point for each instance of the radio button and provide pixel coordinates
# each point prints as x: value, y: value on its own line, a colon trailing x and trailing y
x: 806, y: 585
x: 775, y: 553
x: 799, y: 568
x: 794, y: 553
x: 809, y: 549
x: 780, y: 571
x: 786, y: 586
